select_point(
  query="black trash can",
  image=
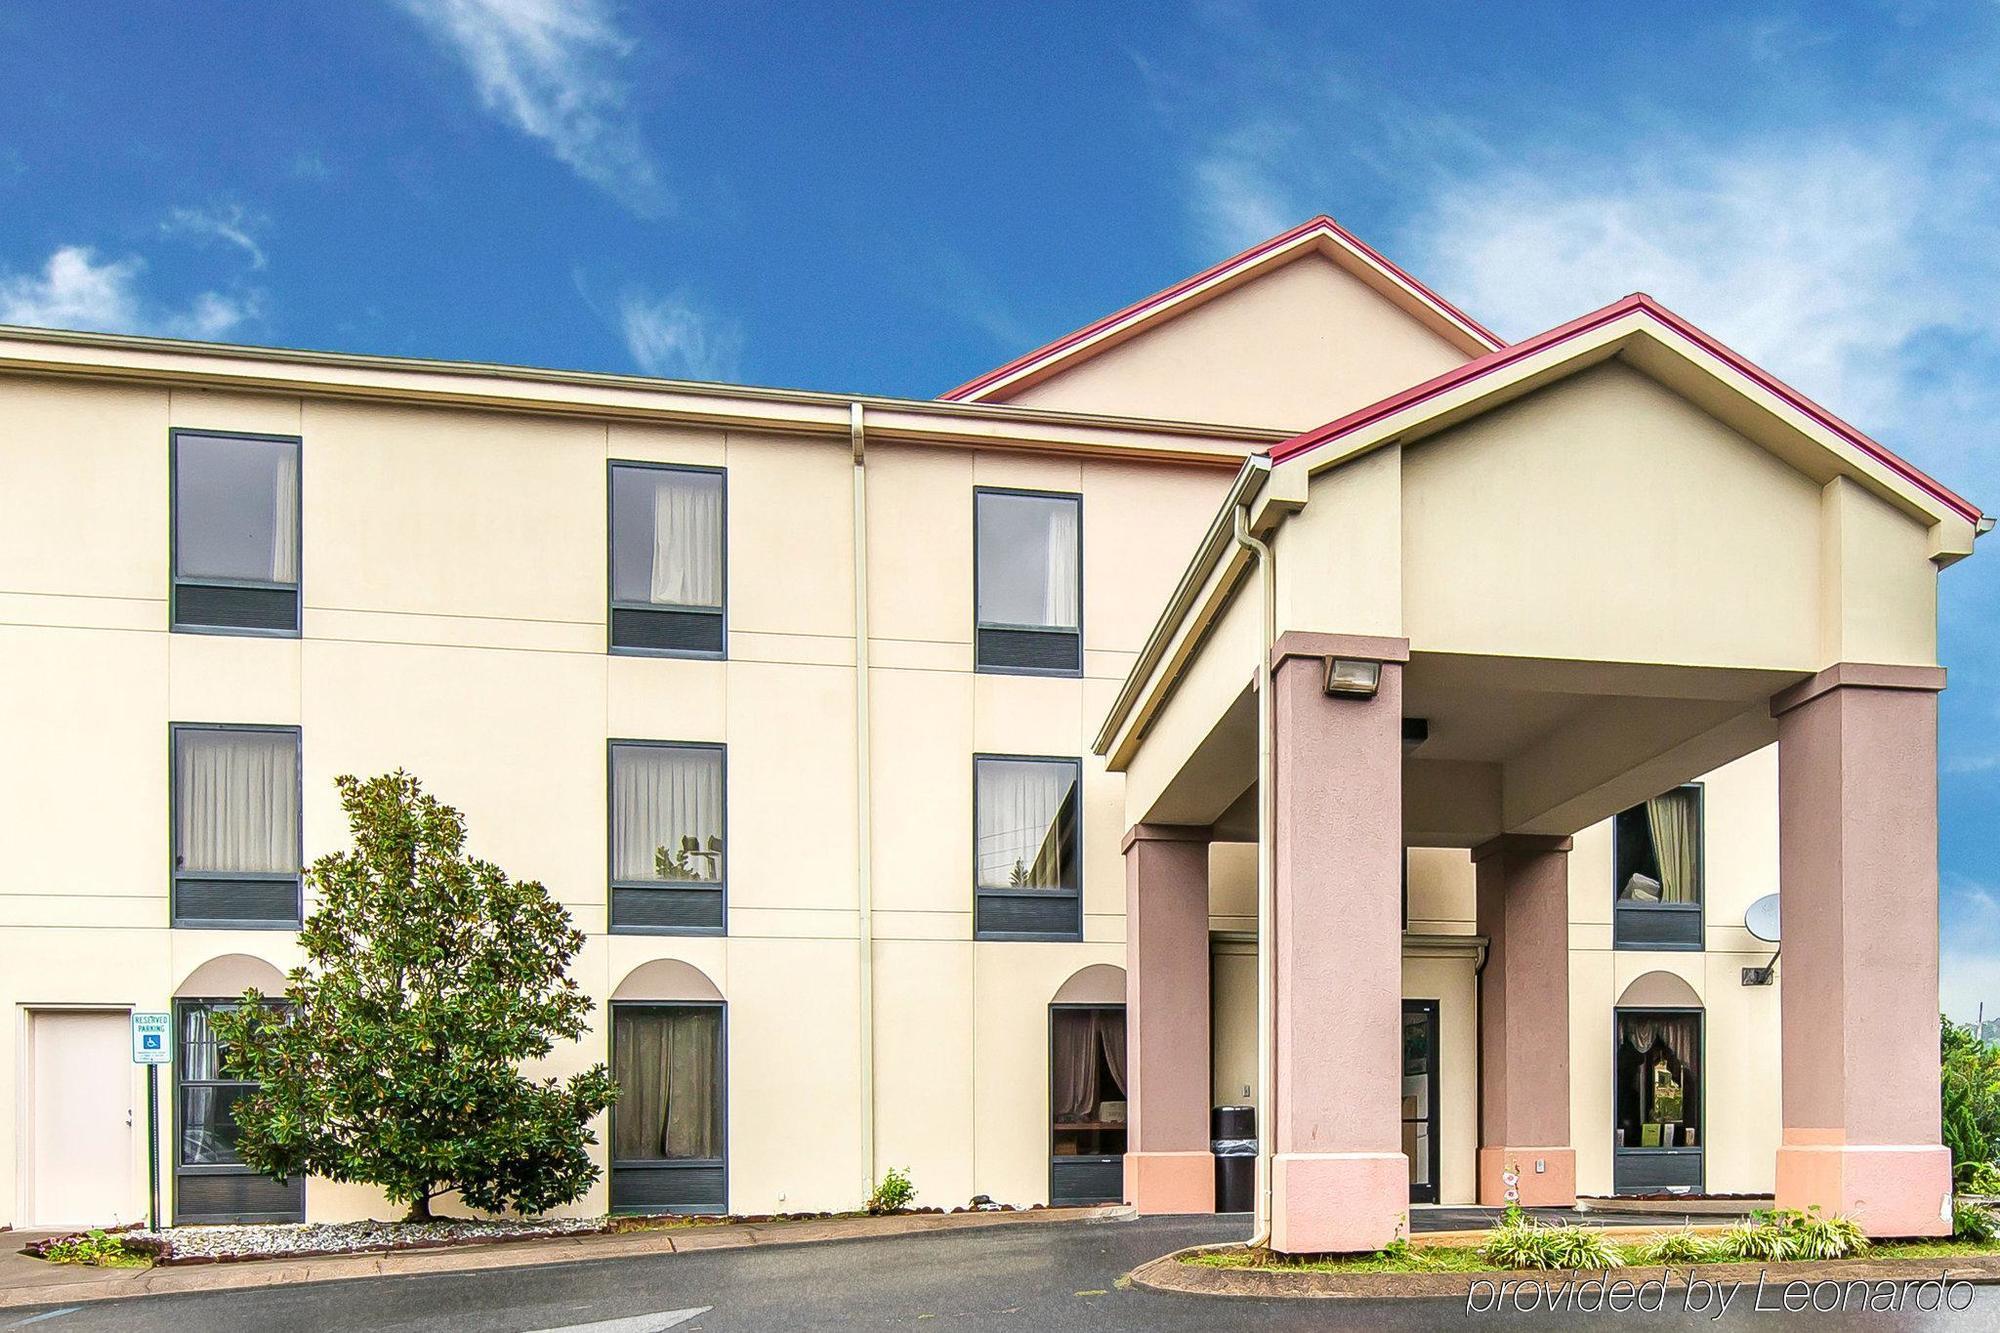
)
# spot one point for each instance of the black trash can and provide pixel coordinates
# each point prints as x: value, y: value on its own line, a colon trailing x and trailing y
x: 1235, y: 1146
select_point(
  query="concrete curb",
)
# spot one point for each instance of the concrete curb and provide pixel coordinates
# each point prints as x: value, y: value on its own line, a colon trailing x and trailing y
x: 1168, y: 1273
x: 30, y: 1282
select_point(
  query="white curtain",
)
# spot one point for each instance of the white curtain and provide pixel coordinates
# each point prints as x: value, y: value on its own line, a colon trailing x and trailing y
x: 660, y: 798
x: 1672, y: 819
x: 687, y: 539
x: 285, y: 516
x: 1020, y: 824
x: 1059, y: 595
x: 237, y: 801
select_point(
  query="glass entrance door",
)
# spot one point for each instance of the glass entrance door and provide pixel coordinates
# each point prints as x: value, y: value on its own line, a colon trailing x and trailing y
x: 1420, y: 1097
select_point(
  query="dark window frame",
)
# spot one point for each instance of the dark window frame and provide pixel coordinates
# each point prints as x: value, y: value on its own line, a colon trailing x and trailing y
x: 611, y: 602
x: 175, y: 581
x: 1621, y: 937
x: 615, y: 1165
x: 1621, y: 1155
x: 176, y: 1167
x: 980, y: 623
x: 1433, y: 1016
x: 720, y: 887
x: 982, y: 895
x: 1057, y: 1198
x: 178, y: 875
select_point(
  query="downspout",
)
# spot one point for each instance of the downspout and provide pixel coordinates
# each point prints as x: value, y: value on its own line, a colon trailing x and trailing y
x: 864, y: 856
x: 1267, y: 1073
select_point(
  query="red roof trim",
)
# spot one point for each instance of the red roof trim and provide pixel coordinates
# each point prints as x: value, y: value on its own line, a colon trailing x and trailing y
x: 1322, y: 225
x: 1640, y: 304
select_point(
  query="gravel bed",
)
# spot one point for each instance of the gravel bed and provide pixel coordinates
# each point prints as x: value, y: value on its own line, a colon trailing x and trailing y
x: 196, y: 1244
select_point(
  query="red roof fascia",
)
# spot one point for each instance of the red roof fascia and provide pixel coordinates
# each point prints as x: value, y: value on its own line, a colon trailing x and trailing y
x: 1638, y: 303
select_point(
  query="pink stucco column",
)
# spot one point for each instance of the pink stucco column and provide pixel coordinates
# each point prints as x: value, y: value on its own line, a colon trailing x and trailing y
x: 1168, y: 1166
x: 1524, y: 1021
x: 1858, y: 885
x: 1339, y: 1179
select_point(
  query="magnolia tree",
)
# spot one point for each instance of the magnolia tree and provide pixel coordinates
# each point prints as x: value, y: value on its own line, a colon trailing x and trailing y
x: 394, y: 1056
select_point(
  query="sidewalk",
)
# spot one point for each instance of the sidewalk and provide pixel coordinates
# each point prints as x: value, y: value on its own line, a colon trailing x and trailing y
x: 25, y: 1281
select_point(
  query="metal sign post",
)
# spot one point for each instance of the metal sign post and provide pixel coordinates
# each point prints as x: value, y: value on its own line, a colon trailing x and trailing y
x: 152, y: 1048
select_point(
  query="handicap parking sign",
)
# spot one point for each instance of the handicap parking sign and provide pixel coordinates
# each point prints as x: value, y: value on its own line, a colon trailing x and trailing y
x: 149, y: 1039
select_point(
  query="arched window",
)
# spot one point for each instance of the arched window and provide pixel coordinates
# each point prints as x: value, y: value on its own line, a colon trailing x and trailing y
x: 1659, y: 1139
x: 670, y: 1124
x: 1087, y: 1088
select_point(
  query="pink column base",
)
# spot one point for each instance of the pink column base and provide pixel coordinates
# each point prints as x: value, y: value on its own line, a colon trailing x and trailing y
x: 1890, y: 1189
x: 1552, y: 1187
x: 1338, y: 1203
x: 1170, y: 1182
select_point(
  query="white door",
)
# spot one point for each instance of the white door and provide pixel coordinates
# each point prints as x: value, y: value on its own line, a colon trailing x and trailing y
x: 80, y: 1118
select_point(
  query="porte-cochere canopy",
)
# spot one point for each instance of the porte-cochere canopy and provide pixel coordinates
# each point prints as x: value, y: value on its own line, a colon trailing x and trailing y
x: 1496, y: 609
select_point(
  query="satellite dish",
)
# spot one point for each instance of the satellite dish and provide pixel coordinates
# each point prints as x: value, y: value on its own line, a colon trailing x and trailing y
x: 1761, y: 918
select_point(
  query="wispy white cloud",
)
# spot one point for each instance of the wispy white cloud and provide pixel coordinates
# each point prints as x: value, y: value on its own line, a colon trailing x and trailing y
x: 673, y: 336
x: 75, y: 290
x: 1841, y: 264
x: 229, y: 223
x: 551, y: 68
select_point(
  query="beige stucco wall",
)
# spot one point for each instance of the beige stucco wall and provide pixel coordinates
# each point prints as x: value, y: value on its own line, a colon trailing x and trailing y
x: 1297, y: 346
x: 454, y: 591
x: 1607, y: 519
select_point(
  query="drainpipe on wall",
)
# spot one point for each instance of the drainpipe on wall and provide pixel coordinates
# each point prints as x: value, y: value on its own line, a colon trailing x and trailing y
x: 1267, y: 1073
x: 863, y: 804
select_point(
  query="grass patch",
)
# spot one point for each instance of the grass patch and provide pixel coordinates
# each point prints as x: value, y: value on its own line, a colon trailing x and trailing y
x: 1679, y: 1249
x: 1398, y: 1258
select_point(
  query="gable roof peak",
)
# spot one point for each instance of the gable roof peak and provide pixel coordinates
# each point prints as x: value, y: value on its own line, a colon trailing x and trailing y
x: 1319, y: 234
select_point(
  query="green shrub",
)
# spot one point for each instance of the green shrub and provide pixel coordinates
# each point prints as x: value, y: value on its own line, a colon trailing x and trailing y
x: 1787, y: 1233
x: 1974, y: 1222
x: 1520, y: 1243
x: 1969, y: 1094
x: 894, y: 1191
x: 1979, y: 1177
x: 1676, y: 1247
x: 1817, y: 1237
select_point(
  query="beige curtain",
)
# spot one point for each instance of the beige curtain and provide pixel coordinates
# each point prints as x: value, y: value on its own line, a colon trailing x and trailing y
x: 1674, y: 826
x: 1074, y: 1065
x: 1059, y: 609
x: 285, y: 517
x: 1680, y: 1034
x: 1020, y: 823
x: 236, y: 801
x: 668, y: 1066
x: 660, y: 796
x: 687, y: 539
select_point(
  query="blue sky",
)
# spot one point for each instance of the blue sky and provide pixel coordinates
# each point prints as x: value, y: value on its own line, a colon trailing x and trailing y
x: 893, y: 199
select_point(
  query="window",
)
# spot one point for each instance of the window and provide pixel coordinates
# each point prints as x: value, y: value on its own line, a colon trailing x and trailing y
x: 1028, y: 576
x: 236, y: 826
x: 1027, y: 881
x: 669, y: 571
x: 211, y: 1184
x: 667, y: 829
x: 1086, y: 1104
x: 667, y: 1135
x: 1656, y: 859
x: 1659, y: 1135
x: 235, y: 533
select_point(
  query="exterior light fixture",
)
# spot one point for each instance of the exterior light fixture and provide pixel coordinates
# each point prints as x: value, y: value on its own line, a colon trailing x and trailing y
x: 1353, y: 678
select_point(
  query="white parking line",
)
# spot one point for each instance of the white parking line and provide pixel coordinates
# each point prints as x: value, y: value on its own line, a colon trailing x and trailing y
x: 638, y: 1323
x: 38, y: 1318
